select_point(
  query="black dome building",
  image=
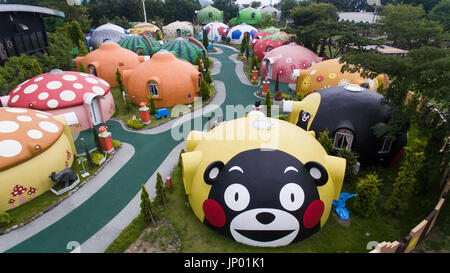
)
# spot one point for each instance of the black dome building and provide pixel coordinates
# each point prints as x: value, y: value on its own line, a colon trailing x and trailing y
x: 350, y: 114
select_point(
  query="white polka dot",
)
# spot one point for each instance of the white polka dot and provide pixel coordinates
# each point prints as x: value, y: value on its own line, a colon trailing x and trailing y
x: 67, y: 95
x: 15, y: 98
x: 48, y: 126
x: 69, y: 78
x: 104, y: 82
x: 24, y: 118
x: 98, y: 90
x: 10, y: 148
x: 91, y: 80
x: 8, y: 126
x: 43, y: 96
x: 52, y: 103
x: 84, y: 74
x: 77, y: 85
x: 30, y: 89
x: 54, y: 85
x: 38, y: 79
x: 16, y: 110
x: 35, y: 134
x: 41, y: 116
x: 313, y: 72
x: 16, y: 89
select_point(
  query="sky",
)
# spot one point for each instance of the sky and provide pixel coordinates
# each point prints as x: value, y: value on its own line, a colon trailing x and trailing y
x: 263, y: 2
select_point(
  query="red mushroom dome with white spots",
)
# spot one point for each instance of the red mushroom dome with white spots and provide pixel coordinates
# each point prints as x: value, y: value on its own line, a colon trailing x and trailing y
x: 56, y: 90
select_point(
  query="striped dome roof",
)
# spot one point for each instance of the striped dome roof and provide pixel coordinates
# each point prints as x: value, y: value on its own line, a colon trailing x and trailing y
x: 136, y: 42
x: 183, y: 49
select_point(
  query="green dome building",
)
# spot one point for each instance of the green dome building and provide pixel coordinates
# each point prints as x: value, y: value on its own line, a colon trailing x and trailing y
x: 208, y: 15
x: 141, y: 45
x: 249, y: 16
x: 184, y: 49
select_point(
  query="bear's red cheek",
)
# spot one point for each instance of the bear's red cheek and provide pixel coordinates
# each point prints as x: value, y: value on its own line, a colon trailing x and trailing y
x: 313, y: 214
x: 214, y: 213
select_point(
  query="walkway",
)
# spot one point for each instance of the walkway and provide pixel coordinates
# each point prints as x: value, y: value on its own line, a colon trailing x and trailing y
x: 110, y: 201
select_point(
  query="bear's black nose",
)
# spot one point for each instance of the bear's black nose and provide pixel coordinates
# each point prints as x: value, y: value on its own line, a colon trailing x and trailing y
x: 265, y: 217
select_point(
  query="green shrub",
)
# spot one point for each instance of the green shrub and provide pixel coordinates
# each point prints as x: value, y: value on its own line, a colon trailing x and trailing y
x: 97, y: 157
x: 4, y: 219
x: 116, y: 143
x: 406, y: 179
x: 364, y: 203
x: 135, y: 124
x: 205, y: 91
x: 326, y: 141
x: 352, y: 159
x: 153, y: 108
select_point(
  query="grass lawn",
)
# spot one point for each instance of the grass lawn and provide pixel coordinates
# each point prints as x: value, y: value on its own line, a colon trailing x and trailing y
x: 44, y: 201
x: 333, y: 238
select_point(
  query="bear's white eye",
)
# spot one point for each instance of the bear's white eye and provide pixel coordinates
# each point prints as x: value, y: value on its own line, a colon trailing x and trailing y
x: 292, y: 197
x: 237, y: 197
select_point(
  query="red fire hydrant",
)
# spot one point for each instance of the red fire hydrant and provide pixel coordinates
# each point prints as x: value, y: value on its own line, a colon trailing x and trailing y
x: 266, y: 84
x: 168, y: 182
x: 254, y: 74
x: 105, y: 139
x: 145, y: 113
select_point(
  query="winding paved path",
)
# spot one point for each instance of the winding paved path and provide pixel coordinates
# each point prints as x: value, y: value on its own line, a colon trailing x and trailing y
x: 94, y: 216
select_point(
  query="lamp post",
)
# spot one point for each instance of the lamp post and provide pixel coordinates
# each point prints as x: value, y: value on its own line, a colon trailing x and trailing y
x: 145, y: 13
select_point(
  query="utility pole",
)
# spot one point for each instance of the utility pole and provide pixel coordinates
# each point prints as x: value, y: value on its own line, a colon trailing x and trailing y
x: 145, y: 13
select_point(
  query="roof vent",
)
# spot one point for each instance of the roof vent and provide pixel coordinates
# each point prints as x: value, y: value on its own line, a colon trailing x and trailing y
x: 55, y: 72
x: 353, y: 88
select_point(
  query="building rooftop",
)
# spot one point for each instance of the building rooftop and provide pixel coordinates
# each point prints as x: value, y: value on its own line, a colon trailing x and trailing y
x: 28, y: 8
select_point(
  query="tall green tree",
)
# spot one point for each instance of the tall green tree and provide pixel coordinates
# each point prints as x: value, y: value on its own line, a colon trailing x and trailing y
x: 230, y: 8
x: 146, y: 208
x: 441, y: 13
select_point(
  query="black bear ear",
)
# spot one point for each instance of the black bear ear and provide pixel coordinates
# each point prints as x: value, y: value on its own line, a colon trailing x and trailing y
x: 211, y: 173
x: 318, y: 172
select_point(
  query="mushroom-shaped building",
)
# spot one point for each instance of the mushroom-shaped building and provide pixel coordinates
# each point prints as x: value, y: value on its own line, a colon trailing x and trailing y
x: 275, y: 13
x: 265, y: 32
x: 269, y: 42
x: 146, y: 29
x: 237, y: 33
x: 104, y: 61
x: 85, y: 97
x: 178, y: 29
x: 208, y: 15
x: 283, y: 60
x: 106, y: 32
x: 33, y: 144
x: 328, y: 74
x: 249, y: 16
x: 272, y: 184
x: 140, y: 44
x: 169, y: 80
x: 351, y: 114
x: 184, y: 49
x: 215, y: 30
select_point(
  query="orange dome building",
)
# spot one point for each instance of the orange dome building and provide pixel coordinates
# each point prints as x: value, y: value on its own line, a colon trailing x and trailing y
x: 169, y: 80
x: 104, y: 61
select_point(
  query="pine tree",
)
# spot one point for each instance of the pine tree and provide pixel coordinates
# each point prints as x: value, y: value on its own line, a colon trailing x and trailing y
x: 268, y: 104
x: 244, y: 44
x: 160, y: 190
x: 98, y: 144
x: 367, y: 189
x: 88, y: 155
x: 82, y: 48
x: 119, y: 80
x: 205, y: 39
x: 277, y: 83
x: 153, y: 108
x: 82, y: 68
x: 204, y: 91
x: 146, y: 210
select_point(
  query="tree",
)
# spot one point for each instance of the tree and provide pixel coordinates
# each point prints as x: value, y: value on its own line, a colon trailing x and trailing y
x: 88, y: 155
x: 406, y: 179
x: 82, y: 48
x: 204, y: 91
x: 267, y: 21
x: 441, y: 13
x: 286, y: 6
x: 255, y: 4
x: 146, y: 209
x: 326, y: 141
x: 229, y: 7
x: 205, y: 39
x: 408, y: 27
x: 268, y: 104
x: 74, y: 32
x: 153, y: 109
x: 364, y: 203
x: 160, y: 191
x: 98, y: 144
x: 352, y: 159
x: 349, y: 5
x: 82, y: 68
x: 244, y: 43
x: 119, y: 80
